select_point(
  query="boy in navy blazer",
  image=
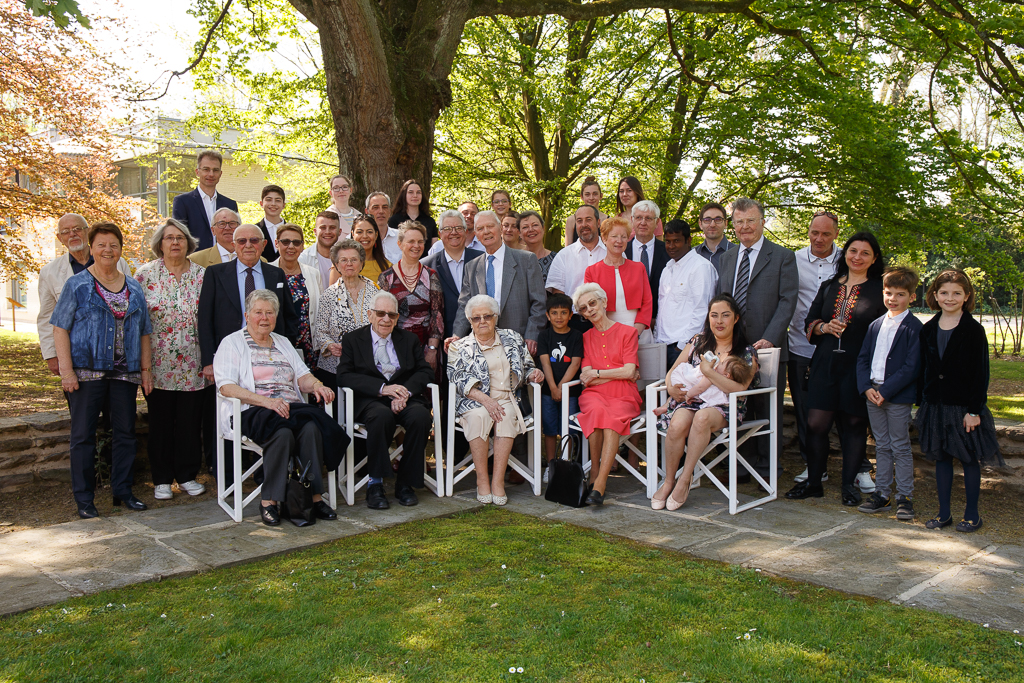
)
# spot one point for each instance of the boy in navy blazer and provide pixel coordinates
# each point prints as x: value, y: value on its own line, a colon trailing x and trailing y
x: 887, y: 370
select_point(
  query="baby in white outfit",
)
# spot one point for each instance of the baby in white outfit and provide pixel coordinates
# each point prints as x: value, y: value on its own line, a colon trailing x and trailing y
x: 708, y: 394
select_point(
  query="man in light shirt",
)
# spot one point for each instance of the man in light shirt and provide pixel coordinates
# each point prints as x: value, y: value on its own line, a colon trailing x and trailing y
x: 469, y: 210
x: 225, y: 221
x: 687, y: 286
x: 450, y: 263
x: 196, y: 208
x: 318, y: 254
x: 570, y: 264
x: 378, y: 205
x: 272, y: 200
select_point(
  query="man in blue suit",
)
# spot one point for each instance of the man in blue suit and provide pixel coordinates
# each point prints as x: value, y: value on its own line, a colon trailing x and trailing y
x: 450, y: 263
x: 196, y: 208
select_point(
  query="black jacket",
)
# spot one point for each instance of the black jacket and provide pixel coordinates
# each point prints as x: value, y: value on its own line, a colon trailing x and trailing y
x: 190, y: 210
x: 439, y: 262
x: 220, y: 307
x: 960, y: 377
x: 358, y: 371
x: 269, y: 249
x: 659, y: 259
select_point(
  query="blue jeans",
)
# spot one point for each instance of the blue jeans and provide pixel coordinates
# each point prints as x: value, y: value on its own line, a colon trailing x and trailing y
x: 551, y: 413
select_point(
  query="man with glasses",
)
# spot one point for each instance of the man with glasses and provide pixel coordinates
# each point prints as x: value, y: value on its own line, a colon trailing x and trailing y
x: 469, y: 210
x: 196, y: 208
x: 318, y: 255
x: 385, y: 368
x: 225, y: 222
x: 644, y: 249
x: 450, y: 263
x: 712, y: 222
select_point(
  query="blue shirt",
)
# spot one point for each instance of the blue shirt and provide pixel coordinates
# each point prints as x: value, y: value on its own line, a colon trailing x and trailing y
x: 77, y: 267
x: 257, y: 274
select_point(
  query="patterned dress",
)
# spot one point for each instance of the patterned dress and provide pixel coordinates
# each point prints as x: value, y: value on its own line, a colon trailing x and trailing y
x: 337, y: 315
x: 173, y: 307
x: 300, y: 297
x: 420, y: 311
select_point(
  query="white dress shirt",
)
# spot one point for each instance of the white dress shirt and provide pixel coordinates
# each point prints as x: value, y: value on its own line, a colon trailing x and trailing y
x: 813, y: 271
x: 272, y: 229
x: 567, y: 270
x: 499, y: 264
x: 638, y: 248
x: 456, y: 268
x: 391, y: 251
x: 686, y: 288
x: 225, y: 255
x: 210, y: 204
x: 257, y: 275
x: 755, y: 249
x: 886, y: 335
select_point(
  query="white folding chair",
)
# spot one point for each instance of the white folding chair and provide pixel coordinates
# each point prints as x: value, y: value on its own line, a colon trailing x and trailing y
x: 733, y: 435
x: 241, y: 442
x: 530, y: 470
x: 357, y: 430
x: 653, y: 361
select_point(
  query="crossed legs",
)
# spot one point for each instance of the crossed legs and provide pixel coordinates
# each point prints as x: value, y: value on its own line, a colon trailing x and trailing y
x: 604, y: 444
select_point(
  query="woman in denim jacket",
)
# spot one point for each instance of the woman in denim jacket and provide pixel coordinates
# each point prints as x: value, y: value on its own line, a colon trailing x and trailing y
x: 101, y: 329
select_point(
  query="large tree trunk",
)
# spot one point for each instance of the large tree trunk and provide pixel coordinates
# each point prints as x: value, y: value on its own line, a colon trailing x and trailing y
x: 386, y: 66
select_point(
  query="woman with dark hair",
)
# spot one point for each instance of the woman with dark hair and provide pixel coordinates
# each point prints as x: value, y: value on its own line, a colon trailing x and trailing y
x: 366, y: 232
x: 836, y: 324
x: 590, y: 193
x: 501, y: 204
x: 532, y: 232
x: 412, y: 204
x: 630, y: 192
x: 688, y: 422
x: 510, y: 231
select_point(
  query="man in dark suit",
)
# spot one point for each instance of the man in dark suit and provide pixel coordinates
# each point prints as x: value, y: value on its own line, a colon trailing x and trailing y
x: 272, y: 200
x: 450, y: 263
x: 763, y: 278
x: 509, y: 275
x: 196, y: 208
x: 388, y: 374
x: 646, y: 250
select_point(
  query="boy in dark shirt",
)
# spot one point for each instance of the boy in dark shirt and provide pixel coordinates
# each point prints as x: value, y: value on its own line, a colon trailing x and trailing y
x: 561, y: 354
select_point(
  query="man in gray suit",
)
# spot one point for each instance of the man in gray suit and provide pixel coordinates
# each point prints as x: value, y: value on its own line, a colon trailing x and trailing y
x: 509, y: 275
x: 763, y: 278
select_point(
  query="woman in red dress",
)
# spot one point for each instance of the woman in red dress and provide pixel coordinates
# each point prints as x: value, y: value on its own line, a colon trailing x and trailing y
x: 610, y: 398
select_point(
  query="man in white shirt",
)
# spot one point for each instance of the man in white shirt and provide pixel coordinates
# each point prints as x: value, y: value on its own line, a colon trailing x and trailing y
x: 225, y: 221
x: 469, y: 210
x: 566, y: 272
x: 686, y: 288
x: 272, y: 200
x: 378, y: 205
x: 318, y: 254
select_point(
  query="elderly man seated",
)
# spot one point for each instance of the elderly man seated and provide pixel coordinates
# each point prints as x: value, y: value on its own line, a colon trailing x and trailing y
x: 265, y: 372
x: 487, y: 368
x: 388, y: 374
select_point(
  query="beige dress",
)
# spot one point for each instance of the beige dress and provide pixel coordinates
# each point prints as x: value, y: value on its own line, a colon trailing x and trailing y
x: 477, y: 423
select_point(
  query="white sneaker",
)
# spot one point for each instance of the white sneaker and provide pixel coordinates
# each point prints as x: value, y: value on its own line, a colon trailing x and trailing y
x: 163, y: 492
x: 545, y: 478
x: 192, y: 488
x: 865, y: 483
x: 803, y: 476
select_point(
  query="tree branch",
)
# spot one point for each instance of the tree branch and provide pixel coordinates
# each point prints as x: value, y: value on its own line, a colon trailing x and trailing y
x: 576, y: 11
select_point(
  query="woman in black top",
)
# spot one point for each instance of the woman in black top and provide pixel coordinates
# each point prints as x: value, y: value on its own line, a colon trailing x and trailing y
x: 953, y: 420
x: 836, y: 324
x: 412, y: 204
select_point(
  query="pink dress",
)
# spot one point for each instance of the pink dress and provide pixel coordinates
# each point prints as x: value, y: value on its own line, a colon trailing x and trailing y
x: 613, y: 404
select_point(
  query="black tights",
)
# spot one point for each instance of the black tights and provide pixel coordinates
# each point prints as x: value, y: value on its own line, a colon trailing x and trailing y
x: 853, y: 437
x: 972, y: 487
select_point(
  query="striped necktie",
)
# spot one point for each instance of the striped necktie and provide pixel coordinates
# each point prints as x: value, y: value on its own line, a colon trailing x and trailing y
x: 742, y: 281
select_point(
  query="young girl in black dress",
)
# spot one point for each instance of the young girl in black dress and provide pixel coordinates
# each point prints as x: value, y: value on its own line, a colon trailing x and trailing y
x: 953, y: 420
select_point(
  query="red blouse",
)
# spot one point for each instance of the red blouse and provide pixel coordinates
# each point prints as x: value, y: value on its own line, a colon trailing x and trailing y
x: 635, y: 285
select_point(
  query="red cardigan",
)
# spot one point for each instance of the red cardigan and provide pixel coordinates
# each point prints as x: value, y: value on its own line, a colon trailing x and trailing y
x: 635, y: 285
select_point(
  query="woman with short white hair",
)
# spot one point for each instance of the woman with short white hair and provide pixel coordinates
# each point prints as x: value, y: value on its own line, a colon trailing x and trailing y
x: 487, y: 368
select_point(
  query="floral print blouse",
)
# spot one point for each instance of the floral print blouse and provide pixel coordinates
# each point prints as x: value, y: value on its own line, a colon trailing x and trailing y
x: 338, y: 314
x: 300, y: 297
x: 420, y: 311
x: 173, y: 307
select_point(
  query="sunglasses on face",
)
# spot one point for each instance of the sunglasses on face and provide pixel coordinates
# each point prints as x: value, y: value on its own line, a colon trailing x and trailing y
x: 291, y: 243
x: 477, y: 319
x: 381, y: 314
x: 254, y: 241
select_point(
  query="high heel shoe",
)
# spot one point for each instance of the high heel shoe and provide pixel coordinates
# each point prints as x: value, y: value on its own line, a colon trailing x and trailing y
x: 130, y: 502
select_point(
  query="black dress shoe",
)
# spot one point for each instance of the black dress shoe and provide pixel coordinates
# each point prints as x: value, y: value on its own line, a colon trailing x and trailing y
x: 851, y: 496
x: 324, y: 511
x: 375, y: 497
x: 130, y: 502
x: 87, y: 511
x: 595, y: 498
x: 406, y: 496
x: 271, y: 514
x: 804, y: 490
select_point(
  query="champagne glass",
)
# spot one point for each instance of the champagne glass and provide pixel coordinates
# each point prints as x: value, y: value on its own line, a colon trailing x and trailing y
x: 842, y: 320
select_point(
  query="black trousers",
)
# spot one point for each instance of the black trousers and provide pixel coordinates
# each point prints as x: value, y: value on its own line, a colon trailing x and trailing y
x: 796, y: 368
x: 330, y: 381
x: 757, y: 451
x: 85, y: 404
x: 175, y: 440
x: 380, y: 431
x: 208, y: 418
x: 306, y: 447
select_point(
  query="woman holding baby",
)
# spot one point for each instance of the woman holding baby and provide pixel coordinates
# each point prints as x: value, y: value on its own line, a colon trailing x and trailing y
x: 699, y: 395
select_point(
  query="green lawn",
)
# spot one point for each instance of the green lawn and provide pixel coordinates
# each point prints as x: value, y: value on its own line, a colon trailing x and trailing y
x: 469, y: 597
x: 1006, y: 389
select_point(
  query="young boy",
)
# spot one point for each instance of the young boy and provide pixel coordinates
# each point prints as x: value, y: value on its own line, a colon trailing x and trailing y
x: 272, y: 201
x: 887, y: 370
x: 561, y: 354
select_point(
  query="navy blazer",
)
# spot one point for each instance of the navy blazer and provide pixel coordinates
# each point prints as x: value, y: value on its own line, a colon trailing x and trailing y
x: 188, y: 208
x: 659, y: 261
x: 902, y: 365
x: 439, y: 262
x: 269, y: 250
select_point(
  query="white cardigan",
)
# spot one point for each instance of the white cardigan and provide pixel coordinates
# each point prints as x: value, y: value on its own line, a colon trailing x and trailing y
x: 311, y: 274
x: 232, y: 364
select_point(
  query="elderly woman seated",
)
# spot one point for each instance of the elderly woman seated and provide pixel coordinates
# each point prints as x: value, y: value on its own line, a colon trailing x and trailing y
x: 487, y: 368
x: 265, y: 372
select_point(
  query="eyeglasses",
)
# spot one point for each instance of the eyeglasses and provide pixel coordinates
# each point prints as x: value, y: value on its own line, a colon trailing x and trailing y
x: 220, y: 225
x: 340, y: 188
x: 65, y: 233
x: 583, y: 306
x: 717, y: 220
x: 747, y: 223
x: 254, y: 241
x: 477, y: 319
x: 825, y: 213
x: 348, y: 261
x: 173, y: 238
x: 457, y: 228
x: 381, y: 314
x: 291, y: 243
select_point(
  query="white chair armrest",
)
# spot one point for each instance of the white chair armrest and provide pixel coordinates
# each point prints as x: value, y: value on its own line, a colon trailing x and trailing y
x: 753, y: 392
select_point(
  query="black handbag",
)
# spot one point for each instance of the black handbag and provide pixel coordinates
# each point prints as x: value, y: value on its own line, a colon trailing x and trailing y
x: 567, y: 483
x: 297, y: 506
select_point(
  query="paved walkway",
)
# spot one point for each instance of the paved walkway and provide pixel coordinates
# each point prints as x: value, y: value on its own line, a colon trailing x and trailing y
x: 821, y: 543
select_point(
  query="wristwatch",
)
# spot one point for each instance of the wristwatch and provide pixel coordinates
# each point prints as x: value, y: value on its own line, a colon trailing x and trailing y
x: 972, y: 414
x: 432, y: 347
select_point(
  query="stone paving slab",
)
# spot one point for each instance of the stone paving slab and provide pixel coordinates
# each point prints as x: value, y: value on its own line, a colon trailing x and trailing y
x: 994, y: 597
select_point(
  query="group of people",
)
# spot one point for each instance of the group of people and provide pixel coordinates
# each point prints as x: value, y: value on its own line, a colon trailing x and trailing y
x: 387, y: 300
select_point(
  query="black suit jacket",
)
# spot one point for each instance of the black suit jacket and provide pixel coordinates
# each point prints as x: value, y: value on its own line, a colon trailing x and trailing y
x: 188, y: 208
x: 358, y: 371
x: 220, y: 308
x: 960, y: 376
x: 658, y: 262
x: 439, y: 262
x: 269, y: 250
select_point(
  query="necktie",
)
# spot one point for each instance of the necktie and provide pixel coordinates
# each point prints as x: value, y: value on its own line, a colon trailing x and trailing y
x: 380, y: 355
x: 644, y: 260
x: 250, y: 282
x: 490, y: 275
x: 742, y: 280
